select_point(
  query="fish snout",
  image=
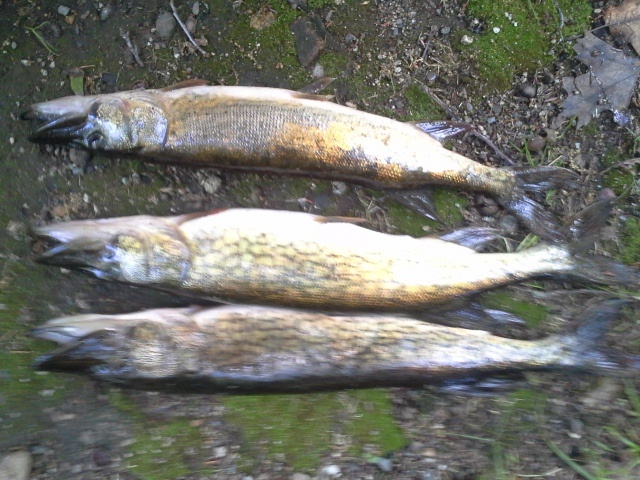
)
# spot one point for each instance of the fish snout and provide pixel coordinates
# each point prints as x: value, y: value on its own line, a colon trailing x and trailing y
x: 66, y: 121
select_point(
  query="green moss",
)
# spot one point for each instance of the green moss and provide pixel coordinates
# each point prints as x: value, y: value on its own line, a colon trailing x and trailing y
x: 296, y: 428
x: 630, y: 236
x: 421, y: 106
x: 531, y: 313
x: 617, y: 179
x: 373, y: 425
x: 499, y: 56
x: 334, y: 64
x: 160, y: 448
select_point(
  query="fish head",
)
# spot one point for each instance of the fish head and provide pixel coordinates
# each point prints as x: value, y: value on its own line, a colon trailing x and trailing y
x: 141, y: 250
x: 127, y: 122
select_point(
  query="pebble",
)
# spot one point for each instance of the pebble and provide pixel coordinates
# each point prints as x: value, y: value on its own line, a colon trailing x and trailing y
x: 508, y: 225
x: 106, y: 12
x: 62, y: 10
x: 536, y: 144
x: 219, y: 452
x: 527, y: 90
x: 339, y: 188
x: 466, y: 40
x: 331, y: 470
x: 211, y: 184
x: 318, y: 71
x: 165, y: 25
x: 310, y: 36
x: 445, y: 30
x: 196, y: 8
x: 191, y: 24
x: 350, y: 37
x: 16, y: 466
x: 300, y: 476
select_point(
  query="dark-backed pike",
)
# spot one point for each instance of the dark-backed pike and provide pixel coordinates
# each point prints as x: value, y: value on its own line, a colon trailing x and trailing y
x: 236, y: 349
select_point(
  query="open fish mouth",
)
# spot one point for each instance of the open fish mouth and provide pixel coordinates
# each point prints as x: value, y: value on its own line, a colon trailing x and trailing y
x: 73, y: 244
x: 66, y: 121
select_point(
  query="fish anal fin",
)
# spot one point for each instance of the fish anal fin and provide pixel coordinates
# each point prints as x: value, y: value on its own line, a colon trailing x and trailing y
x: 191, y: 82
x: 339, y: 219
x: 317, y: 86
x: 441, y: 130
x: 486, y: 386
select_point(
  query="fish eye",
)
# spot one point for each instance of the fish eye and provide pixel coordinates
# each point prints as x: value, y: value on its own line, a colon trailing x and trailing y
x: 96, y: 140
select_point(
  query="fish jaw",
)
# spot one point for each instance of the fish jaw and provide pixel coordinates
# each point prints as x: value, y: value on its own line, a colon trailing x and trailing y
x: 88, y: 246
x: 65, y: 120
x: 126, y: 122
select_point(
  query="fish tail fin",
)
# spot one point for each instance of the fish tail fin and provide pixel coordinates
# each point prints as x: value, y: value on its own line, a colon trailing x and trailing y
x: 584, y: 347
x: 533, y: 215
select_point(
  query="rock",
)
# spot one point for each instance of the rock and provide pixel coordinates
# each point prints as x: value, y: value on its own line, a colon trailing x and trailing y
x: 318, y: 71
x: 331, y: 471
x: 536, y: 144
x: 310, y: 37
x: 195, y: 9
x: 165, y: 25
x: 16, y: 466
x: 527, y: 90
x: 211, y: 184
x: 106, y: 12
x: 300, y: 476
x: 191, y: 24
x: 508, y: 225
x: 63, y: 10
x: 466, y: 40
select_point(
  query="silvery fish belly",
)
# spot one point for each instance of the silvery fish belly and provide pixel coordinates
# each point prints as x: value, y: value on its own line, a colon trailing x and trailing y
x: 238, y: 349
x: 300, y: 260
x: 274, y: 130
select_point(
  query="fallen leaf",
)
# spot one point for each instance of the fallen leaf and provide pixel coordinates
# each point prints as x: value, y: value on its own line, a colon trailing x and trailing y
x: 608, y: 85
x: 262, y: 19
x: 624, y: 21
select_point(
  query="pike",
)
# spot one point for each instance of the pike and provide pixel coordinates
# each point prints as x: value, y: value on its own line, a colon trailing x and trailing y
x: 282, y: 131
x: 237, y: 349
x: 300, y: 260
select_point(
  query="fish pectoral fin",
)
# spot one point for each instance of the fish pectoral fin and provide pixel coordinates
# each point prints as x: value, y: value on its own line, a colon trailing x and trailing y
x: 475, y: 238
x: 441, y: 130
x: 192, y: 82
x: 317, y: 86
x: 339, y: 219
x: 311, y: 96
x: 486, y: 386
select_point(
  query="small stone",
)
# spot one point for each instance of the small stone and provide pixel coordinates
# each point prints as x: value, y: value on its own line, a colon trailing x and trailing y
x: 62, y: 10
x: 211, y: 184
x: 191, y: 24
x: 445, y: 30
x: 318, y: 71
x: 339, y: 188
x: 508, y: 225
x: 536, y: 144
x: 219, y: 452
x: 384, y: 464
x: 331, y: 470
x: 491, y: 120
x: 195, y: 9
x: 165, y: 25
x: 350, y: 38
x: 496, y: 29
x: 527, y: 90
x: 310, y: 36
x: 300, y: 476
x: 16, y: 466
x: 106, y: 12
x: 466, y: 40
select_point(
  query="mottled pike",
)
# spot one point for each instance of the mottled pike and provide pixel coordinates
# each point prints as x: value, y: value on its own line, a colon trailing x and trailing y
x: 282, y: 131
x: 234, y: 349
x: 300, y: 260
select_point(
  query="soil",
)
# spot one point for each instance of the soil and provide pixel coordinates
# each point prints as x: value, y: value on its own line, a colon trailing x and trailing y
x: 399, y: 58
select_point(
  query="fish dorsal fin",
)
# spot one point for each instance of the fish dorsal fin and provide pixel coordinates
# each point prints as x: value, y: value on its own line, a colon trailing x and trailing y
x: 338, y: 219
x: 191, y: 82
x: 441, y: 130
x: 187, y: 217
x: 317, y: 86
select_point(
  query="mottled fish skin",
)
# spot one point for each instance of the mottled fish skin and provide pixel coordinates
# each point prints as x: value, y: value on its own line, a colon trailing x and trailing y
x: 238, y: 349
x: 274, y: 130
x: 300, y: 260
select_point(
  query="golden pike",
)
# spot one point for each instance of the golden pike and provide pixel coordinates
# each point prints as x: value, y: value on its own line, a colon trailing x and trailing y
x: 256, y: 349
x: 282, y: 131
x: 300, y: 260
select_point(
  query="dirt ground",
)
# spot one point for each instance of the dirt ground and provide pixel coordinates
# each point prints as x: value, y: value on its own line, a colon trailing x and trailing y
x: 406, y: 59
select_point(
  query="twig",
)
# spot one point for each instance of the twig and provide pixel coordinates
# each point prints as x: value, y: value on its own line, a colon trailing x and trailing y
x: 486, y: 140
x: 41, y: 39
x: 134, y: 50
x: 184, y: 29
x: 561, y: 18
